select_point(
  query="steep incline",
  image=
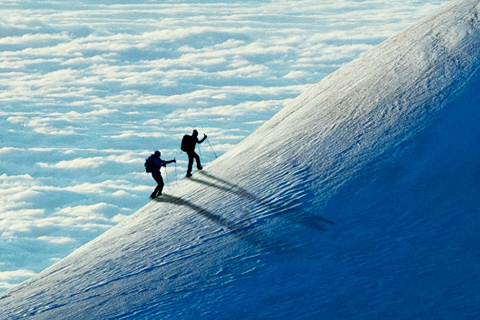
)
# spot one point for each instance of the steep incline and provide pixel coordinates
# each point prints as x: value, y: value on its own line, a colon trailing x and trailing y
x: 359, y: 200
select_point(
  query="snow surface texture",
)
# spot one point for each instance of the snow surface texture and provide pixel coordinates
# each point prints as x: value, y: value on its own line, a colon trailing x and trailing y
x: 359, y: 200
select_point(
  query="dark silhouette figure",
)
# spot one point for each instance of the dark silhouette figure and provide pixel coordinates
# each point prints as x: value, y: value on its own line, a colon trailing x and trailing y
x: 157, y: 164
x: 188, y: 146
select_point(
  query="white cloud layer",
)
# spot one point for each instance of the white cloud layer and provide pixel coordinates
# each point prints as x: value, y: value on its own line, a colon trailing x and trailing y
x: 56, y: 240
x: 9, y: 277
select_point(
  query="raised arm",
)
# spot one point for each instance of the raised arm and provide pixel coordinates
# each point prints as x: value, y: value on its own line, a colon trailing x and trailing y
x: 203, y: 139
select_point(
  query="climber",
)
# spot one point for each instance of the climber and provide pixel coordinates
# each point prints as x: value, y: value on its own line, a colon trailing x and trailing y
x: 188, y: 146
x: 153, y: 165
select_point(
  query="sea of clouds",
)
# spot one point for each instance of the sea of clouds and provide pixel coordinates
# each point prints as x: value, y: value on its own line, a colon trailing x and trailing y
x: 90, y: 88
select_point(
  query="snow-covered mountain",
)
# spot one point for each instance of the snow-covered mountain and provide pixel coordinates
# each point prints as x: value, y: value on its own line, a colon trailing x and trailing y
x: 359, y: 200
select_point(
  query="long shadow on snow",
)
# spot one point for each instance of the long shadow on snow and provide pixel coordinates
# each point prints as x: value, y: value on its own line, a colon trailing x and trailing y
x: 244, y: 230
x: 283, y: 210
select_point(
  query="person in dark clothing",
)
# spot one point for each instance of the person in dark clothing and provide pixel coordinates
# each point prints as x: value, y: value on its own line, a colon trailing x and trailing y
x: 188, y: 146
x: 157, y: 164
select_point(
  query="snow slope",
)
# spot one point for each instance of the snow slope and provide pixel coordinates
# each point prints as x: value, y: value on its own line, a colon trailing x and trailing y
x: 359, y: 200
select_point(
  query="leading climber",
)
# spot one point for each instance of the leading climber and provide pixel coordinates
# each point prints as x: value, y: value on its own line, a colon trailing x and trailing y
x: 188, y: 146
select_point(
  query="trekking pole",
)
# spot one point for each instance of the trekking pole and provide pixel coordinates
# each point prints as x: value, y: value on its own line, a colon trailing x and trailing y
x: 200, y: 151
x: 166, y: 175
x: 208, y: 141
x: 175, y: 169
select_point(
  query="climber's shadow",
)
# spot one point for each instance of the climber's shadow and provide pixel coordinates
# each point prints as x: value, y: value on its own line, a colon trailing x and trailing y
x: 244, y: 230
x: 287, y: 210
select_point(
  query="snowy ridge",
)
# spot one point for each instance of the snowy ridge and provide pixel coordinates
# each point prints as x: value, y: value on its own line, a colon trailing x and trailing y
x: 360, y: 199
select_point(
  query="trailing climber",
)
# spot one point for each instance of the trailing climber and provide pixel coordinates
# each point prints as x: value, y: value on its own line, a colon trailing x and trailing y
x: 153, y: 165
